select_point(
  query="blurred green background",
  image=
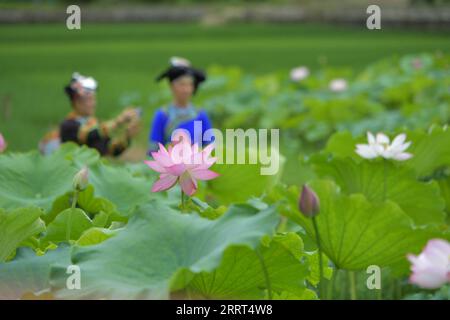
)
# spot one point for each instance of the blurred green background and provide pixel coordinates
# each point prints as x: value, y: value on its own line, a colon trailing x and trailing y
x: 37, y: 61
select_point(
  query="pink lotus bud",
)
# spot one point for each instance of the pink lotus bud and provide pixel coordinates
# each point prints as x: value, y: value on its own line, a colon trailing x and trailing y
x: 309, y: 203
x: 81, y: 179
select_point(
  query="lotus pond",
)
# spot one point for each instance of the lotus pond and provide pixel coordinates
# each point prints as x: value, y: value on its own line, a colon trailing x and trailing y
x: 356, y: 230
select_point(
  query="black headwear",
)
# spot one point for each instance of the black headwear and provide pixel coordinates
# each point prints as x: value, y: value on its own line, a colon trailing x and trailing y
x: 181, y: 67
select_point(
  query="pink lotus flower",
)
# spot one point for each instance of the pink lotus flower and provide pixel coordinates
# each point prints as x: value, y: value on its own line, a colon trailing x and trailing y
x: 2, y: 143
x: 183, y: 163
x: 431, y: 268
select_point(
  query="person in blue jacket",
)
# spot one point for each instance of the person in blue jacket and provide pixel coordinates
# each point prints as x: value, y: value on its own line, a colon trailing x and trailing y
x: 180, y: 113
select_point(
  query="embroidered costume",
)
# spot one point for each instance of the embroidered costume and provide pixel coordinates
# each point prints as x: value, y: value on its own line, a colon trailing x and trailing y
x: 167, y: 119
x: 88, y: 131
x: 83, y: 128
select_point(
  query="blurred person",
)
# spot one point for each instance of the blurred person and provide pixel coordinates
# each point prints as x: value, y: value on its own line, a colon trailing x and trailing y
x: 81, y: 126
x: 184, y: 81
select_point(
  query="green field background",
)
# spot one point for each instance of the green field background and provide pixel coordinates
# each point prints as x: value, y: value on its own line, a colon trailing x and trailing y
x: 36, y: 61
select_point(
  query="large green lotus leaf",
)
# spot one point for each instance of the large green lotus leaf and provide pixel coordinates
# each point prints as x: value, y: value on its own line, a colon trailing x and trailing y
x: 100, y: 209
x: 343, y: 144
x: 30, y: 179
x: 307, y: 294
x: 29, y: 273
x: 355, y: 232
x: 160, y: 249
x: 68, y: 225
x: 314, y: 274
x: 119, y: 186
x: 420, y: 200
x: 92, y: 204
x: 431, y: 150
x: 79, y: 155
x: 241, y: 274
x: 238, y: 182
x: 17, y: 226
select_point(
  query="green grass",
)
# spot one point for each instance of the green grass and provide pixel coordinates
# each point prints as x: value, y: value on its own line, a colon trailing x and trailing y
x: 37, y: 61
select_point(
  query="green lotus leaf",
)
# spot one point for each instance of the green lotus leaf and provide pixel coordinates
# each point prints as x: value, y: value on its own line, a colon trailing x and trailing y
x: 444, y: 184
x: 29, y: 273
x: 161, y: 249
x: 431, y: 150
x: 68, y: 225
x: 355, y: 232
x: 16, y: 226
x: 80, y: 156
x: 93, y: 206
x: 343, y: 144
x: 420, y: 200
x: 314, y: 275
x: 120, y: 187
x: 307, y: 294
x: 95, y: 235
x: 238, y: 182
x: 243, y: 271
x: 30, y: 179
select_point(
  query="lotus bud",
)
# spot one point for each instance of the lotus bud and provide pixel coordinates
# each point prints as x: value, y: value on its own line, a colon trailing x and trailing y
x: 81, y: 179
x: 309, y: 203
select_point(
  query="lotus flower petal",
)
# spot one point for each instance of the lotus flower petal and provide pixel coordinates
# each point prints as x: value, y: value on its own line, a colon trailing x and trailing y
x: 155, y: 166
x: 371, y: 138
x: 182, y: 162
x: 431, y: 268
x: 164, y: 183
x: 188, y: 185
x: 381, y: 138
x: 398, y: 140
x: 366, y: 151
x: 2, y: 143
x: 402, y: 156
x: 201, y: 174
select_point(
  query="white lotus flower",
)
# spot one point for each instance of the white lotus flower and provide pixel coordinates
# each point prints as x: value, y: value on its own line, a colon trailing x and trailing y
x: 380, y: 146
x: 300, y: 73
x: 338, y: 85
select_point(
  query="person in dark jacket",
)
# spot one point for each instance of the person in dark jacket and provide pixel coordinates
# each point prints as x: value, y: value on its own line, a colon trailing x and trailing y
x: 81, y: 126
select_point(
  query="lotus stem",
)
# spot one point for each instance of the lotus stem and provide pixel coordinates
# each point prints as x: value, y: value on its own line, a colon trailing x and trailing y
x: 384, y: 179
x: 352, y: 279
x: 266, y: 274
x: 183, y: 201
x: 319, y: 249
x: 69, y: 222
x: 332, y: 284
